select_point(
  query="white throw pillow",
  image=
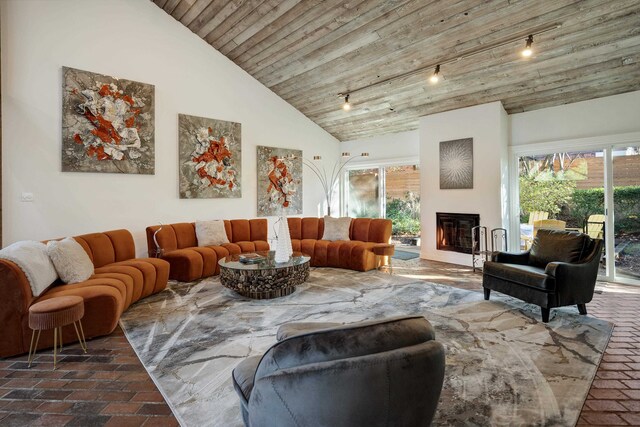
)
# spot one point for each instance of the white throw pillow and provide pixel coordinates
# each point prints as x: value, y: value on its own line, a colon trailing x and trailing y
x: 71, y: 261
x: 211, y: 233
x: 33, y: 260
x: 336, y: 228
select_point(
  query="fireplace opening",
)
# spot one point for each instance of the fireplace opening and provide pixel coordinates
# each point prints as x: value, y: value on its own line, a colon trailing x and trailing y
x: 453, y: 231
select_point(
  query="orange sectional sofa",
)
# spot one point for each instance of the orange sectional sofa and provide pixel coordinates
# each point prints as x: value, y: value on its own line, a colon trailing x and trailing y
x: 355, y: 254
x: 190, y: 261
x: 119, y: 280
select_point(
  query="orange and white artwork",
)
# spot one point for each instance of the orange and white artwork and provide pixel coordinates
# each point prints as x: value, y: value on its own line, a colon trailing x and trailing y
x: 107, y: 124
x: 209, y: 158
x: 279, y: 181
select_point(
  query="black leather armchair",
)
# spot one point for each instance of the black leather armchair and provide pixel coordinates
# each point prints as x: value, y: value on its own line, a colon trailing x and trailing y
x: 379, y: 373
x: 560, y: 269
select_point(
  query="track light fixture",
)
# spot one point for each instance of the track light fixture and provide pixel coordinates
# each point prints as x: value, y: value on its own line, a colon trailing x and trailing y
x: 435, y: 77
x: 527, y: 52
x: 476, y: 50
x: 347, y: 105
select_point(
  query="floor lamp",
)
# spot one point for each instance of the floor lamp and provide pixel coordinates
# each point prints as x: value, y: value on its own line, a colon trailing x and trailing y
x: 329, y: 180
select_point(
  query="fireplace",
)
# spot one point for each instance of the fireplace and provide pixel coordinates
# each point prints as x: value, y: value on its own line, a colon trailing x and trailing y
x: 453, y: 231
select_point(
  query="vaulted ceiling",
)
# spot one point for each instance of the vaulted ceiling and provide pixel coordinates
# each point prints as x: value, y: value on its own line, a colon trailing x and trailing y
x: 309, y: 51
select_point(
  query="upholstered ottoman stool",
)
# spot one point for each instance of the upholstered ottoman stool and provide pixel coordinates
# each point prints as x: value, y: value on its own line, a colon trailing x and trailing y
x: 53, y: 314
x: 382, y: 250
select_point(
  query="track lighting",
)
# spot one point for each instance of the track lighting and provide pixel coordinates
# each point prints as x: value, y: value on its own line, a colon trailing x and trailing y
x: 527, y: 52
x: 347, y: 105
x: 435, y: 77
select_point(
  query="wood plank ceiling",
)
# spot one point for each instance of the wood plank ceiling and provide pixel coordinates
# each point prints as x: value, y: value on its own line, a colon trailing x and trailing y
x: 308, y: 51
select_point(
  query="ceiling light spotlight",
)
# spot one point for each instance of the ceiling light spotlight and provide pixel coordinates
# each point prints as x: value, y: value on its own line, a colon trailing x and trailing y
x: 435, y: 77
x: 347, y: 105
x: 527, y: 52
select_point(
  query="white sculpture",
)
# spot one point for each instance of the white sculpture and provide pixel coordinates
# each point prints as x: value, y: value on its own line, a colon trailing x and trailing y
x: 283, y: 244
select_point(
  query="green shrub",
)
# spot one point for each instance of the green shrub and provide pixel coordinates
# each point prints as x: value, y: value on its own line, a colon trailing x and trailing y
x: 544, y: 195
x: 404, y: 215
x: 405, y: 227
x: 586, y: 202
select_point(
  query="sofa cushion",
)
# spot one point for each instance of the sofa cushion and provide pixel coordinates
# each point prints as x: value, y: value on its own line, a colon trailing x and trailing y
x: 210, y: 233
x: 186, y: 264
x: 209, y: 260
x: 155, y: 273
x: 556, y: 245
x: 336, y: 228
x: 70, y: 260
x: 134, y: 273
x: 526, y: 275
x: 33, y: 260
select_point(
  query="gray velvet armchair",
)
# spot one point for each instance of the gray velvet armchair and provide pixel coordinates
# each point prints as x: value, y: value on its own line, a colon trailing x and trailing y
x: 379, y: 373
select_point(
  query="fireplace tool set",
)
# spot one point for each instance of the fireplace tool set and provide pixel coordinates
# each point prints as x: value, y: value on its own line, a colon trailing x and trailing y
x: 480, y: 249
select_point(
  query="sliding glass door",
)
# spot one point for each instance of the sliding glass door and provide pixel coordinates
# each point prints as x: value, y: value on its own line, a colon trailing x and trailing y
x: 626, y: 203
x: 386, y: 191
x: 595, y: 191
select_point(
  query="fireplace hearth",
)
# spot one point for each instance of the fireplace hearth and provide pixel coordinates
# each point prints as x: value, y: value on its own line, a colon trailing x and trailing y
x: 453, y: 231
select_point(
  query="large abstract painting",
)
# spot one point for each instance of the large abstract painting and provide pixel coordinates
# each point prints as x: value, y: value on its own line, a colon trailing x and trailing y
x: 456, y: 164
x: 279, y: 181
x: 210, y: 158
x: 107, y: 124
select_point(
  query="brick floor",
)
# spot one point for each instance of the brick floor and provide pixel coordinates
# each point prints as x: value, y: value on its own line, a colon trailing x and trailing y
x: 106, y: 387
x: 110, y: 387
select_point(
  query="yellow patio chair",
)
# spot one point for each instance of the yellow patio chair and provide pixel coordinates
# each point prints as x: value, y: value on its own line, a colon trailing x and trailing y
x: 595, y: 226
x: 548, y: 224
x: 533, y: 216
x: 537, y: 216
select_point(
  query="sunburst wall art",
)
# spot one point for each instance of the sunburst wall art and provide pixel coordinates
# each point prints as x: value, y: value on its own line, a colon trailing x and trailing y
x: 210, y: 158
x: 279, y: 181
x: 107, y: 124
x: 456, y: 164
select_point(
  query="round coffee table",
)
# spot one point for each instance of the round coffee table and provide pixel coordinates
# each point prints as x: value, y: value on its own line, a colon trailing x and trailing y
x: 264, y: 279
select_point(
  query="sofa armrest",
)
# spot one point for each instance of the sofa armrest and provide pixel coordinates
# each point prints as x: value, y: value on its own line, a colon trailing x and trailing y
x: 16, y: 297
x: 511, y: 258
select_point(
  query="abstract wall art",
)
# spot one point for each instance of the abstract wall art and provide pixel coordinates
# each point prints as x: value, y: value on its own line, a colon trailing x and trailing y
x: 456, y: 164
x: 107, y: 124
x: 209, y: 158
x: 279, y: 181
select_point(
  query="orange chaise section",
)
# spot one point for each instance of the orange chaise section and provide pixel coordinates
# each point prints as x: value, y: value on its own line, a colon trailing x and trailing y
x: 119, y: 280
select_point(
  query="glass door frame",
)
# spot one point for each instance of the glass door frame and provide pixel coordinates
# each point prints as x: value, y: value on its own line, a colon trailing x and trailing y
x: 606, y: 144
x: 379, y: 164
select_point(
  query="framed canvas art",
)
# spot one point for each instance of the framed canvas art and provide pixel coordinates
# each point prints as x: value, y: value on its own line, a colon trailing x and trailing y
x: 209, y: 158
x: 456, y: 164
x: 107, y: 124
x: 279, y: 181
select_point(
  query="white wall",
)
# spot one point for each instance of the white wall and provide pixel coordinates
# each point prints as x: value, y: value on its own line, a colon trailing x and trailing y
x: 384, y: 148
x: 488, y: 125
x: 136, y: 40
x: 596, y: 117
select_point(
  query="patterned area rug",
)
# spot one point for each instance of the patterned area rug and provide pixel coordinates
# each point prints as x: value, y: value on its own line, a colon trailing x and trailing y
x: 504, y: 367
